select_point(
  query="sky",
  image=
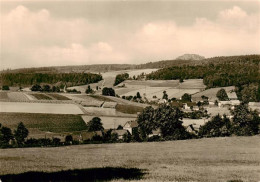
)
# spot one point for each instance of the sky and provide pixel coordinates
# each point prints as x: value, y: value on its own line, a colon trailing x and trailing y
x: 57, y: 33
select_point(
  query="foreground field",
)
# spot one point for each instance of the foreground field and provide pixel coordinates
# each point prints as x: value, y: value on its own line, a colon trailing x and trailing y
x: 209, y: 159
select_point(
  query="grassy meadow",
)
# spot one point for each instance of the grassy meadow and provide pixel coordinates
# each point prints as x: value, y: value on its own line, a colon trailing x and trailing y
x: 208, y: 159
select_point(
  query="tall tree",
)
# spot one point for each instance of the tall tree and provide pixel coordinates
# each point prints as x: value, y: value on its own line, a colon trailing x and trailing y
x: 222, y: 95
x: 5, y: 136
x: 245, y: 122
x: 165, y: 95
x: 20, y: 133
x: 95, y: 124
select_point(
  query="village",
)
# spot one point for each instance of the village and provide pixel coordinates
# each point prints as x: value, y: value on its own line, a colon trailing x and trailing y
x: 118, y: 114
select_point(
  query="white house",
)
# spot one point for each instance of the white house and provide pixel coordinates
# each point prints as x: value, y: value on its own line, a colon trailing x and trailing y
x: 130, y: 125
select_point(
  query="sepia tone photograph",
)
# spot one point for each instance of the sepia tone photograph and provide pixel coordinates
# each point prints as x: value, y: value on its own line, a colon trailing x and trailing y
x: 129, y: 91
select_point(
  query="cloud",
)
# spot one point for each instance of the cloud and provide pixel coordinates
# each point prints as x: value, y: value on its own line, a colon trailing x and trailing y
x: 37, y: 38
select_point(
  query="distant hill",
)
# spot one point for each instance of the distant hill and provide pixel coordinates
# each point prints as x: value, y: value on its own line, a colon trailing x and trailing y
x: 194, y: 60
x: 190, y: 57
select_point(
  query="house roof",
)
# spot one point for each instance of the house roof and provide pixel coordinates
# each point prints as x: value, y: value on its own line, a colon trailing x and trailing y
x: 187, y: 122
x: 132, y: 124
x: 218, y: 110
x: 232, y: 95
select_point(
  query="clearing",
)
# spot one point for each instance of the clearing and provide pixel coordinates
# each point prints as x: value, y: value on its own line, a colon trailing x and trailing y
x: 208, y: 159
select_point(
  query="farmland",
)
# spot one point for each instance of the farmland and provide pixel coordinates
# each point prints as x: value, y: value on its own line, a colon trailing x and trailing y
x: 109, y: 78
x: 154, y: 88
x: 51, y: 108
x: 41, y: 97
x: 208, y: 159
x: 38, y: 123
x: 58, y: 96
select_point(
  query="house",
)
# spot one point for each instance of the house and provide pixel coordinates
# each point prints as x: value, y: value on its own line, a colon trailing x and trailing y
x: 229, y: 102
x: 191, y: 106
x: 254, y: 106
x: 130, y: 126
x: 155, y: 133
x: 193, y: 125
x: 192, y: 129
x: 120, y: 133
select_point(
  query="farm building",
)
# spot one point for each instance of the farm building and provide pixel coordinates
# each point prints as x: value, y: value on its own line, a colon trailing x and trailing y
x: 130, y: 126
x: 193, y: 125
x: 213, y: 111
x: 120, y: 133
x: 229, y: 102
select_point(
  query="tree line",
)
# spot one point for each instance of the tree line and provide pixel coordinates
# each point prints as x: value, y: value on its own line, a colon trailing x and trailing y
x: 70, y: 79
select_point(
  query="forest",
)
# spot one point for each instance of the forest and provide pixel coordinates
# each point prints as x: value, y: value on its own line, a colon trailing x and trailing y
x: 240, y: 71
x: 70, y: 79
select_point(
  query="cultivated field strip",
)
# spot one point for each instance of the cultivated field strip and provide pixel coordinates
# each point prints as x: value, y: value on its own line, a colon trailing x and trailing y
x: 39, y: 123
x: 52, y: 108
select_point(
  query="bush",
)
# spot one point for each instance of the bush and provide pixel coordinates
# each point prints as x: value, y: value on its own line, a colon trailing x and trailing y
x: 5, y: 87
x: 36, y: 87
x: 108, y: 91
x: 186, y: 97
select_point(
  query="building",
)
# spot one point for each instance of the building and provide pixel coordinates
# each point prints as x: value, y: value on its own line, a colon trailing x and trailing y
x: 130, y: 126
x: 120, y: 133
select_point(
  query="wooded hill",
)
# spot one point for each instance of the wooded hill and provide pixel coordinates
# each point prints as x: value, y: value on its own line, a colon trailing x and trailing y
x: 216, y: 72
x: 240, y: 71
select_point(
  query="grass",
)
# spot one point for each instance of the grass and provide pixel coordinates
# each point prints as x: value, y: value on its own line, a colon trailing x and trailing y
x: 208, y: 159
x: 128, y: 109
x: 58, y: 97
x: 41, y: 97
x: 44, y: 122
